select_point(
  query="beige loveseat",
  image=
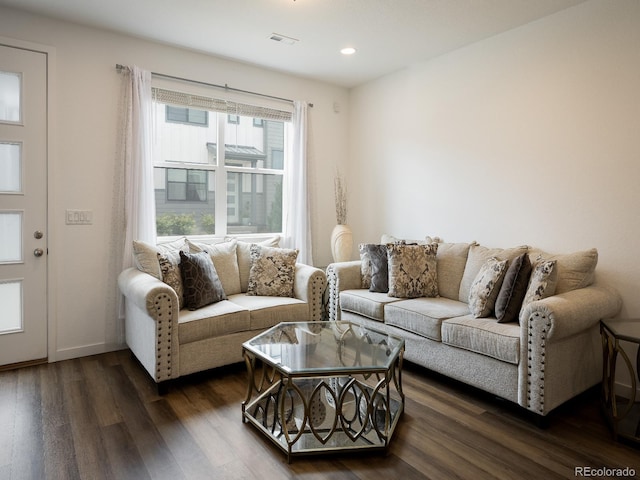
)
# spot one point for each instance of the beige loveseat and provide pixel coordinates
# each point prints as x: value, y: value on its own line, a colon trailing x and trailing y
x: 170, y: 341
x: 550, y: 353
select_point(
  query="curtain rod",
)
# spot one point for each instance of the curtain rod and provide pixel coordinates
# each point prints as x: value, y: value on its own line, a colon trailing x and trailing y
x: 225, y: 86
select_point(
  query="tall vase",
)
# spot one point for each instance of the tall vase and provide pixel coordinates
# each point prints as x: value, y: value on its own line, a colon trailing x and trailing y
x: 341, y: 243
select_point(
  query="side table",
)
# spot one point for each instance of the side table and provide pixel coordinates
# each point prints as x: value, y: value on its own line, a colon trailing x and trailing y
x: 623, y: 415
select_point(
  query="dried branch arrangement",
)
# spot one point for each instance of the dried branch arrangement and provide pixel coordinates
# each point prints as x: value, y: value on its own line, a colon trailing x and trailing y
x: 341, y: 199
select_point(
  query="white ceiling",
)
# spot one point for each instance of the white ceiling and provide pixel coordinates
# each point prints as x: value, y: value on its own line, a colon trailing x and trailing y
x: 388, y: 34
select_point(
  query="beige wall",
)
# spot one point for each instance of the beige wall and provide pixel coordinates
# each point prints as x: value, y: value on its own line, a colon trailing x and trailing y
x: 81, y: 173
x: 529, y: 137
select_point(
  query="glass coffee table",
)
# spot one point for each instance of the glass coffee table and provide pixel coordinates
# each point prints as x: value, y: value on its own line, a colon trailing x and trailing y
x: 317, y: 387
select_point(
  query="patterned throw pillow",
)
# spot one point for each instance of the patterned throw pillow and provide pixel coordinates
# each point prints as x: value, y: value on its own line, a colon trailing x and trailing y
x: 513, y: 290
x: 412, y: 270
x: 145, y: 255
x: 199, y: 280
x: 542, y: 283
x: 379, y: 268
x: 365, y: 265
x: 170, y: 268
x: 272, y: 271
x: 225, y: 260
x: 485, y: 287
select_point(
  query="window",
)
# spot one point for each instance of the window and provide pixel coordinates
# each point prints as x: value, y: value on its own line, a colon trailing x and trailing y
x: 187, y: 115
x: 186, y: 185
x: 223, y: 177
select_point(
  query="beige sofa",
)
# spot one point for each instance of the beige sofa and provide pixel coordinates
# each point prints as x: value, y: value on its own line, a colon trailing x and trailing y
x: 551, y: 353
x: 171, y: 342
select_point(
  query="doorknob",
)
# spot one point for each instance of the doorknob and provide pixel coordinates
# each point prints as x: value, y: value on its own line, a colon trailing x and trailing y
x: 38, y: 252
x: 38, y: 234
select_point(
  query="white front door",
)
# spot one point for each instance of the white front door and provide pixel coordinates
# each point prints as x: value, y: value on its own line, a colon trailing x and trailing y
x: 23, y: 205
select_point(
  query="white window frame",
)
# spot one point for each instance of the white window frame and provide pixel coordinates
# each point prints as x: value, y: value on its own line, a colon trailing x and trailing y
x: 220, y: 169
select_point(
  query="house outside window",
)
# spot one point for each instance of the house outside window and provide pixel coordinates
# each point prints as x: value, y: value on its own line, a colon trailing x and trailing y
x: 222, y: 178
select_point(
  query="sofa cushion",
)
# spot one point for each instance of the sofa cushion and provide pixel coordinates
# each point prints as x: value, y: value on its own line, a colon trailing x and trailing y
x: 215, y: 320
x: 365, y: 303
x: 486, y: 286
x: 225, y: 260
x: 575, y: 270
x: 423, y: 316
x: 451, y: 260
x: 412, y: 270
x: 379, y: 268
x: 244, y: 258
x: 200, y: 281
x: 272, y: 271
x: 484, y: 335
x: 265, y: 312
x: 170, y: 267
x: 513, y: 289
x: 542, y: 283
x: 477, y: 257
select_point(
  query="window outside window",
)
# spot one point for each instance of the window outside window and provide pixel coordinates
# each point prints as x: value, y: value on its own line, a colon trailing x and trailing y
x: 187, y: 115
x: 222, y: 178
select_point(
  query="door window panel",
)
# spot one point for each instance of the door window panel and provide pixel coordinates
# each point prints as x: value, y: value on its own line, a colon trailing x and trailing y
x: 10, y: 306
x: 11, y: 237
x: 10, y: 97
x: 10, y: 167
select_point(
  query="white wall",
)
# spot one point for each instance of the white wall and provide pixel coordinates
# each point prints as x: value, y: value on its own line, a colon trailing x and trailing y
x: 529, y: 137
x: 81, y: 173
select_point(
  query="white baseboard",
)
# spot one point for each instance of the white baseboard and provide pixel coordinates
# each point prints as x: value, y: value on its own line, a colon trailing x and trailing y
x: 84, y: 351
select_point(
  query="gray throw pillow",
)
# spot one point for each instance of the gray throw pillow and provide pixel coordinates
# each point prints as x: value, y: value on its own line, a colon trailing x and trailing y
x: 200, y: 282
x: 513, y: 290
x: 379, y: 268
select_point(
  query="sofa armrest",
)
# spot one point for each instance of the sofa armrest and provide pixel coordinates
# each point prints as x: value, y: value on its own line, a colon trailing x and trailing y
x: 341, y: 276
x: 559, y: 339
x: 572, y: 312
x: 143, y: 290
x: 309, y: 286
x: 151, y: 320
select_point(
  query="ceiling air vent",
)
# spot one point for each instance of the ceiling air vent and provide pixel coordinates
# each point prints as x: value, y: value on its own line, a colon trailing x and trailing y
x: 276, y: 37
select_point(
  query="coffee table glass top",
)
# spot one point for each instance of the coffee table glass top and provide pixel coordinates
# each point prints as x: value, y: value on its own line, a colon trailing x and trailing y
x: 325, y: 348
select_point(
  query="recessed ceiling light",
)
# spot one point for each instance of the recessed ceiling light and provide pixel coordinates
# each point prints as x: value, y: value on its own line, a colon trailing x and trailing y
x: 348, y: 51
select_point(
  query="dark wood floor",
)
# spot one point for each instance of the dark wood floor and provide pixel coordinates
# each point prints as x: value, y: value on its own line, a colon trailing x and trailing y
x: 100, y: 417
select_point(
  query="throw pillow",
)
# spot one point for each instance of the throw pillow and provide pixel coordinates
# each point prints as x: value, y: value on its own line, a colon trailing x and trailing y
x: 171, y: 275
x: 225, y: 260
x: 200, y: 280
x: 145, y: 256
x: 451, y: 260
x: 477, y: 257
x: 272, y: 271
x: 542, y: 283
x: 379, y: 268
x: 575, y: 270
x: 365, y: 265
x: 485, y: 287
x: 244, y: 258
x: 412, y: 270
x: 513, y: 290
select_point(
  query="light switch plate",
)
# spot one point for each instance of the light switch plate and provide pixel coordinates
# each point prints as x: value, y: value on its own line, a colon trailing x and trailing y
x: 79, y: 217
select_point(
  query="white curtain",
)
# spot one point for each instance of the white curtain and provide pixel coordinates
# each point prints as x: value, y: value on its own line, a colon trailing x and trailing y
x: 133, y: 195
x: 139, y: 200
x: 297, y: 228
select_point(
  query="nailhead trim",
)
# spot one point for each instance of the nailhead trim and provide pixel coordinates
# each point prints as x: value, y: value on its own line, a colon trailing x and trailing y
x: 537, y: 317
x: 163, y: 336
